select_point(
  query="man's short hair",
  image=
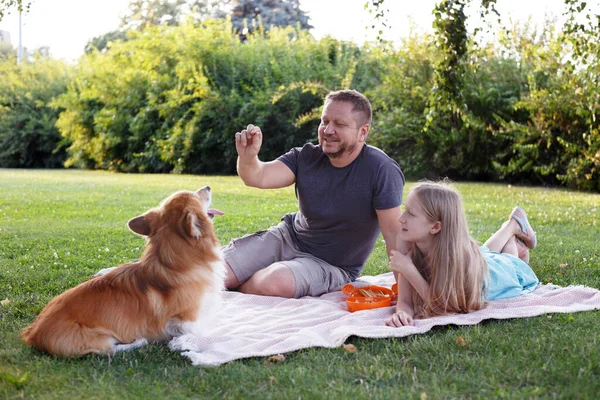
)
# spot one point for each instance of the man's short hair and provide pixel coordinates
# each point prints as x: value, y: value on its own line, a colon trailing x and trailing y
x: 359, y: 102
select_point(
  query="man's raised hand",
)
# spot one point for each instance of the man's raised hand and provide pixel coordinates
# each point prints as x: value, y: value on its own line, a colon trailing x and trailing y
x: 248, y: 141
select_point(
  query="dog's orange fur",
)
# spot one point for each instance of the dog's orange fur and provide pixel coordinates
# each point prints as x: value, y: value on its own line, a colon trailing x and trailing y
x: 154, y: 298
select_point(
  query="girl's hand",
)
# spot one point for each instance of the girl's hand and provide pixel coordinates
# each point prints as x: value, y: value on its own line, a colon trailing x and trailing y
x: 399, y: 318
x: 400, y: 262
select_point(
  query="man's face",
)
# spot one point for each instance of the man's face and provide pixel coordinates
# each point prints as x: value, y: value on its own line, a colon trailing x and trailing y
x: 339, y: 132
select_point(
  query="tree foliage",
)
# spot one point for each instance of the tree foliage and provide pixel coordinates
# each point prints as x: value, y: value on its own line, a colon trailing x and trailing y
x: 28, y: 136
x: 376, y: 8
x: 559, y: 143
x: 7, y: 5
x: 171, y: 99
x: 524, y: 109
x: 145, y: 13
x: 7, y: 51
x: 247, y: 15
x: 103, y: 42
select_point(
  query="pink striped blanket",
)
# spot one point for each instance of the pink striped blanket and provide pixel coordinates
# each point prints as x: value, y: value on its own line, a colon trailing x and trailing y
x: 258, y: 326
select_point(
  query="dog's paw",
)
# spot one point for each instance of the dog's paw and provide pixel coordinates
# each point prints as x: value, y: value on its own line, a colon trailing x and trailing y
x: 129, y: 346
x: 174, y: 327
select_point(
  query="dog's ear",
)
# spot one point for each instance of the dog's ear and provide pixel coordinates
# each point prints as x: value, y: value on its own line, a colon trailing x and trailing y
x: 139, y: 225
x: 191, y: 225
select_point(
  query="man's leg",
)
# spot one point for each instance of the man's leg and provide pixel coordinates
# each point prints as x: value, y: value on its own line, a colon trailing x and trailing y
x: 268, y: 263
x: 275, y: 280
x: 231, y: 281
x: 302, y: 276
x: 254, y: 263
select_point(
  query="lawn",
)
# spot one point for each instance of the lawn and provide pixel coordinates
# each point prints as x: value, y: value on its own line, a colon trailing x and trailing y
x: 59, y: 227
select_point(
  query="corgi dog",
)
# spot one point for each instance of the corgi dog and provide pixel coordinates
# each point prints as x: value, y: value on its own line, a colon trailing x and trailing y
x: 171, y: 290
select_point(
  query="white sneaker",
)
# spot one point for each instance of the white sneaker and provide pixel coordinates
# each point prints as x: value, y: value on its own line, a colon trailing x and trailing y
x: 103, y: 271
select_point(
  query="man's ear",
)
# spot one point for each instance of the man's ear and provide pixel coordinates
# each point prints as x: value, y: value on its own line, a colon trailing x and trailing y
x: 139, y: 225
x: 191, y: 225
x: 364, y: 131
x: 436, y: 228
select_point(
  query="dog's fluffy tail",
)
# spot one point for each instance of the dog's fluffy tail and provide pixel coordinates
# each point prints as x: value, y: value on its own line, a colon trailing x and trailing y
x: 67, y: 338
x: 56, y: 333
x: 28, y: 335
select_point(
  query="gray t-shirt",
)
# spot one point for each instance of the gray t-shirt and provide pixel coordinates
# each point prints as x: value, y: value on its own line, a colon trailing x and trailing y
x: 336, y: 221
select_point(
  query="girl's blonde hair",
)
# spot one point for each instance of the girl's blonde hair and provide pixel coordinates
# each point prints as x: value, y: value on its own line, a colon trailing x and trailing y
x: 455, y: 267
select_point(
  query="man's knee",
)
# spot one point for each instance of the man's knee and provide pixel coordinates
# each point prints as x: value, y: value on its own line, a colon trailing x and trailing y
x: 231, y: 281
x: 275, y: 280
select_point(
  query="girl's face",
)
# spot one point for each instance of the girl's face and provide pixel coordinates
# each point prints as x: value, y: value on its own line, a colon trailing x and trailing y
x: 416, y: 227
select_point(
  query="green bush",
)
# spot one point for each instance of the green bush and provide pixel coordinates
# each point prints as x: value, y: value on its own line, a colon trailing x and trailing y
x: 28, y: 136
x: 559, y: 142
x: 432, y: 143
x: 400, y: 103
x: 171, y: 99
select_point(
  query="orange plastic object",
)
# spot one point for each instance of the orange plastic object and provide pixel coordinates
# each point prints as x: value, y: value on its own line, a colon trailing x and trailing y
x: 357, y: 300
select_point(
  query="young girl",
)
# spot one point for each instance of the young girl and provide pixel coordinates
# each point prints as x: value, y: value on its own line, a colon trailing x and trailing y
x: 444, y: 270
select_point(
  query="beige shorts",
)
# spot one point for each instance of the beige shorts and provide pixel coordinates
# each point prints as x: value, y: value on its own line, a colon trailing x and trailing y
x: 254, y: 252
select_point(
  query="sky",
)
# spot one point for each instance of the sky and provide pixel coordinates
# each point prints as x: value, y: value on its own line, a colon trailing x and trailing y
x: 67, y: 25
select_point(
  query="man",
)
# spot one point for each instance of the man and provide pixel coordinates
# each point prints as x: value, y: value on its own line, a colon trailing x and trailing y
x: 348, y: 192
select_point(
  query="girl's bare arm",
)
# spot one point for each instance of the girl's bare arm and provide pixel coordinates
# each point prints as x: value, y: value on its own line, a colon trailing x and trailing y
x: 403, y: 265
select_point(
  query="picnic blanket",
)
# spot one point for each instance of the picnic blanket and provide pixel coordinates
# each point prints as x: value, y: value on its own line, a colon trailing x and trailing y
x: 256, y: 326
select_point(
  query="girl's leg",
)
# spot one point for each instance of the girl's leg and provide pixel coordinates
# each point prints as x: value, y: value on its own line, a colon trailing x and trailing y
x: 522, y: 250
x: 511, y: 247
x: 527, y: 234
x: 504, y: 241
x: 517, y: 248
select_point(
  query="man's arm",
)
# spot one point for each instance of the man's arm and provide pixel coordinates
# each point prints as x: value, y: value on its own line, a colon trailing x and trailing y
x: 390, y: 227
x: 255, y: 173
x: 265, y: 175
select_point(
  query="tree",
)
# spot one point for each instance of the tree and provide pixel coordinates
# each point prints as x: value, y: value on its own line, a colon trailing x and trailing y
x: 29, y: 137
x: 6, y: 51
x: 101, y: 43
x: 450, y: 25
x: 375, y: 8
x: 270, y: 13
x: 164, y: 12
x: 145, y: 13
x: 7, y: 5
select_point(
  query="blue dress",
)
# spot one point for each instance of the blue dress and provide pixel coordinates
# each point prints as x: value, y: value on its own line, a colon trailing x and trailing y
x: 509, y: 276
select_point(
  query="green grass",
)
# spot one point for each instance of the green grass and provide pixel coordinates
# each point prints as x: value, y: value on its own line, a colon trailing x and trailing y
x: 59, y: 227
